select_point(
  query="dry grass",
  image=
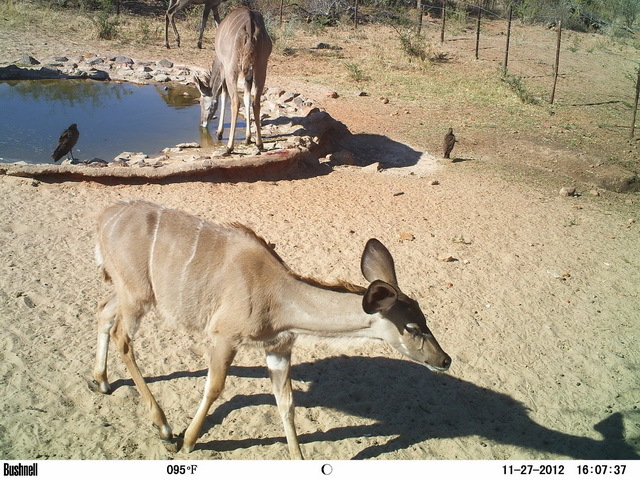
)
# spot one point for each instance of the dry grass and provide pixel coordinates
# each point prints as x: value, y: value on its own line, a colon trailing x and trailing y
x: 591, y: 116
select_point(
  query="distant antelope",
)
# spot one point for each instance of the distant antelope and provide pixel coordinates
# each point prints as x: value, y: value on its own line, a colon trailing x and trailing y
x: 225, y: 284
x: 243, y: 47
x: 176, y: 5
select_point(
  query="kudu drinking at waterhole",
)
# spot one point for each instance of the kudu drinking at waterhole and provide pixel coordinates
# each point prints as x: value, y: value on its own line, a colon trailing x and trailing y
x: 176, y: 5
x: 243, y: 47
x: 225, y: 284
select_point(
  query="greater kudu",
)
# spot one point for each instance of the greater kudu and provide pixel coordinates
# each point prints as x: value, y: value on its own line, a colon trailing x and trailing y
x: 226, y: 285
x: 176, y: 5
x: 243, y: 47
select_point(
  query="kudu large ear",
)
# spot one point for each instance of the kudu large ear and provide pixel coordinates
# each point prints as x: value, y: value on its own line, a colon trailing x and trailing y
x: 203, y: 85
x: 377, y: 263
x: 379, y: 296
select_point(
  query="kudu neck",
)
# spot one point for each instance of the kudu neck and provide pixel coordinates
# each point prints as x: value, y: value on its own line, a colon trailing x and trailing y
x: 329, y: 311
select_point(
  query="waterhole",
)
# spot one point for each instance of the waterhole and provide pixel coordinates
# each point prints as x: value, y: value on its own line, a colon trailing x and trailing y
x: 112, y: 118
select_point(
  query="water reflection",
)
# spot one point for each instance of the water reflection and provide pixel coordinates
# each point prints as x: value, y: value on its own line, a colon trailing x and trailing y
x: 179, y: 96
x: 112, y: 118
x: 69, y: 93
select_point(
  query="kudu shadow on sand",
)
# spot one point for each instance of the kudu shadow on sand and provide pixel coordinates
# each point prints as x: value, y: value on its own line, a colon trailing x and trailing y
x: 410, y: 404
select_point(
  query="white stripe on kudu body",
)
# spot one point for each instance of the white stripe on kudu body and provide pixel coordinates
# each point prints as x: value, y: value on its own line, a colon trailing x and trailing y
x: 225, y: 284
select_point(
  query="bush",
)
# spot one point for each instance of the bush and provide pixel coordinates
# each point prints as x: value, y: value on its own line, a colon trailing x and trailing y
x: 107, y: 26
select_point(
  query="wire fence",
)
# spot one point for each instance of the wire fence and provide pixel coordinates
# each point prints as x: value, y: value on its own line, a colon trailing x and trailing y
x: 553, y: 21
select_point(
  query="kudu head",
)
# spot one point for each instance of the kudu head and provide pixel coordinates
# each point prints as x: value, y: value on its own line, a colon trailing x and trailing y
x: 208, y: 98
x: 402, y: 323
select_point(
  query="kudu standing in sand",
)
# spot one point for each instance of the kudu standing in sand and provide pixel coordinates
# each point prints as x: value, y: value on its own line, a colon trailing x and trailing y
x: 176, y: 5
x: 225, y: 284
x: 243, y: 47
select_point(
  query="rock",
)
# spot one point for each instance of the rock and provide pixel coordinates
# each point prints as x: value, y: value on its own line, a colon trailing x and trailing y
x: 343, y: 157
x: 130, y: 157
x: 26, y: 59
x: 287, y: 97
x: 188, y: 145
x: 373, y: 168
x: 406, y: 237
x: 97, y: 162
x: 361, y: 94
x: 28, y: 302
x: 307, y: 111
x: 161, y: 78
x: 332, y: 95
x: 60, y: 59
x: 434, y: 182
x: 99, y: 75
x: 94, y: 61
x: 384, y: 100
x: 274, y: 92
x: 164, y: 63
x: 123, y: 60
x: 567, y: 191
x: 449, y: 259
x: 143, y: 77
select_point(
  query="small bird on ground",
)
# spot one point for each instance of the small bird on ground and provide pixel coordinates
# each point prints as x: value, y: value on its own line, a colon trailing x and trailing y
x: 449, y: 143
x: 66, y: 142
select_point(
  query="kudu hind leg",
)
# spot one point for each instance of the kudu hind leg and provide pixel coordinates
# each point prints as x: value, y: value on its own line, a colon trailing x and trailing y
x: 279, y: 365
x: 257, y: 121
x: 205, y: 16
x: 122, y: 338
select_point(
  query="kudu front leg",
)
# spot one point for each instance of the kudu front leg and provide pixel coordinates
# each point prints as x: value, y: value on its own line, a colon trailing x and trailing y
x: 222, y: 355
x: 107, y: 311
x: 222, y: 106
x: 123, y: 341
x: 235, y: 106
x: 279, y: 365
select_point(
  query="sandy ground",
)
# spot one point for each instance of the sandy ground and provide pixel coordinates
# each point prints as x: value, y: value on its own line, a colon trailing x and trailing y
x: 539, y: 311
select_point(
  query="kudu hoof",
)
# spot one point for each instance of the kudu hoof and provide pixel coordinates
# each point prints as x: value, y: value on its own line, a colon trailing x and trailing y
x: 95, y: 387
x: 173, y: 445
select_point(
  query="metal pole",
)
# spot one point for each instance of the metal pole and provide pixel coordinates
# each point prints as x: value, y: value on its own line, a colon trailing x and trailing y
x: 444, y: 17
x: 635, y: 106
x: 557, y: 62
x: 478, y: 32
x: 506, y: 53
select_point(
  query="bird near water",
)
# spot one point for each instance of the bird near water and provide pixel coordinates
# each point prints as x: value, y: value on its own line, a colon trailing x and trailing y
x: 66, y: 142
x: 449, y: 143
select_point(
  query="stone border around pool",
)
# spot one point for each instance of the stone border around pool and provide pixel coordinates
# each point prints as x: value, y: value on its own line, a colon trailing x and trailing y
x: 295, y: 130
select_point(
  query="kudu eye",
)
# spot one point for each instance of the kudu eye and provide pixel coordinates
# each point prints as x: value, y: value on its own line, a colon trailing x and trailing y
x: 413, y: 328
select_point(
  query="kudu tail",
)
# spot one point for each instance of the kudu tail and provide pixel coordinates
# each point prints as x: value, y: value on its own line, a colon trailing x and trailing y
x: 249, y: 51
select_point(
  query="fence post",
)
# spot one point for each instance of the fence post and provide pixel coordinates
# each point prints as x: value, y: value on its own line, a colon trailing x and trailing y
x: 355, y: 20
x: 506, y: 52
x: 635, y: 106
x: 478, y: 32
x: 281, y: 11
x: 444, y: 16
x: 419, y: 7
x: 557, y: 62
